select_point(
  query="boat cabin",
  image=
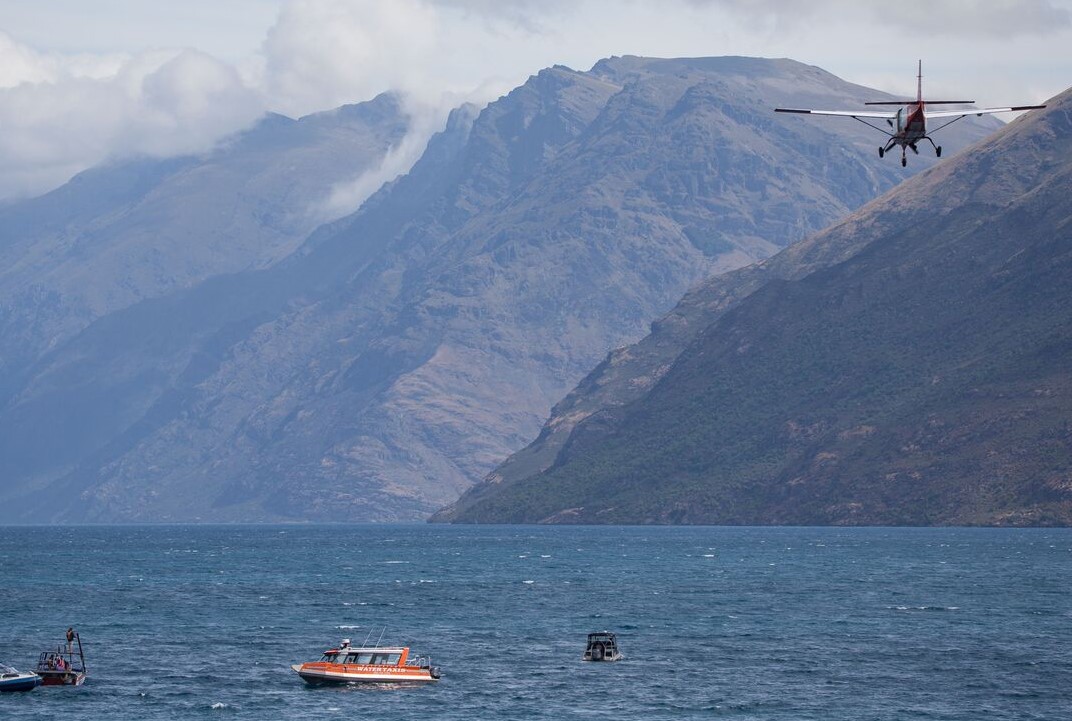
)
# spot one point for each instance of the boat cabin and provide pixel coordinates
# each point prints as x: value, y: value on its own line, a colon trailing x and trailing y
x: 367, y: 656
x: 375, y: 656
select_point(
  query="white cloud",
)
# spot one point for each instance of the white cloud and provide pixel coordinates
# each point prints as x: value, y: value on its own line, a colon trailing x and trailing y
x: 63, y: 117
x: 20, y: 64
x: 227, y: 29
x: 954, y: 18
x: 323, y: 53
x: 994, y: 19
x: 68, y: 105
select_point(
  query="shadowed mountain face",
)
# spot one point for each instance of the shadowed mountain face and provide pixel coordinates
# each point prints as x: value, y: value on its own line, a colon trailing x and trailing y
x: 400, y: 353
x: 119, y: 234
x: 908, y: 366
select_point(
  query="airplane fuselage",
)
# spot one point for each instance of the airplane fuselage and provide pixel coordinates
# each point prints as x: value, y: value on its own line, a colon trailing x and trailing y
x: 911, y: 125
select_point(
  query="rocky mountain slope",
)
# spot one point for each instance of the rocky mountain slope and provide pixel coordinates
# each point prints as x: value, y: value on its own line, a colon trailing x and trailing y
x: 907, y: 366
x: 144, y: 228
x: 400, y: 353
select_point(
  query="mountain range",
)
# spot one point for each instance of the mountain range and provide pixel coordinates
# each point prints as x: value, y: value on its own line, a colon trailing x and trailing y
x: 908, y: 366
x: 142, y: 228
x: 378, y: 367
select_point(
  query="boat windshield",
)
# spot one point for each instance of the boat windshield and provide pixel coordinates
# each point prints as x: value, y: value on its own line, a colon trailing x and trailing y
x: 7, y: 670
x: 370, y: 658
x: 362, y: 658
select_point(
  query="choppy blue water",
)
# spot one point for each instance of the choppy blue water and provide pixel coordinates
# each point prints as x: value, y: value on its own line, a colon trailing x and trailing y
x: 190, y: 622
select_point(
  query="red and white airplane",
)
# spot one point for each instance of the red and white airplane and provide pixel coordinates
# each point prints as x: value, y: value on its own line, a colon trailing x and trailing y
x: 909, y: 123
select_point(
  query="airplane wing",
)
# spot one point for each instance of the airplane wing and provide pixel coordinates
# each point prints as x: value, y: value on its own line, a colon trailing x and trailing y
x: 842, y: 113
x: 978, y: 111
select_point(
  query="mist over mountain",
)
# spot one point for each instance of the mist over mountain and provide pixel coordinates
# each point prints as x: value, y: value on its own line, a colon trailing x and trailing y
x: 908, y: 366
x: 132, y: 230
x: 398, y: 354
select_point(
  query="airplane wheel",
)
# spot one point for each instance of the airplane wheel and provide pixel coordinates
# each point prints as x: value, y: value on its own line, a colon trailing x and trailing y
x: 904, y: 162
x: 938, y: 151
x: 881, y: 152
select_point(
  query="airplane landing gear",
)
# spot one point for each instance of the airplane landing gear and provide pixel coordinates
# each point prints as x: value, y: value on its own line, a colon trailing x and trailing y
x: 904, y: 161
x: 881, y: 152
x: 937, y: 148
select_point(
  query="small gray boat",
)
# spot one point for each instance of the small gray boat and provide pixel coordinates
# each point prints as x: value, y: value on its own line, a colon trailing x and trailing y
x: 602, y: 647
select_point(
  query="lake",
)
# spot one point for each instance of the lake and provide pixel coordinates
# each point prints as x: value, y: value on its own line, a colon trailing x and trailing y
x: 191, y: 622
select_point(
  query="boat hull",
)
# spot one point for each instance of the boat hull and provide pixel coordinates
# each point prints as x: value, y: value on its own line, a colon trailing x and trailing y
x: 62, y: 678
x: 318, y: 675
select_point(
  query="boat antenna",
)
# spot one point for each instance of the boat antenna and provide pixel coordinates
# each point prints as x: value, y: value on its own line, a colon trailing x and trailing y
x: 367, y: 637
x: 381, y: 636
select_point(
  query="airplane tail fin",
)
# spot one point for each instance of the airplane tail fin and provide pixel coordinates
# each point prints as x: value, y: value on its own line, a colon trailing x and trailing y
x: 919, y: 95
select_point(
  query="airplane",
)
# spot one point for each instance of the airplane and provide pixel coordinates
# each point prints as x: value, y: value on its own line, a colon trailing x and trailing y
x: 909, y: 123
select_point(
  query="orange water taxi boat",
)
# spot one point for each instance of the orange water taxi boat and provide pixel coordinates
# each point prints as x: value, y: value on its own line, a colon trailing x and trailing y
x: 349, y: 664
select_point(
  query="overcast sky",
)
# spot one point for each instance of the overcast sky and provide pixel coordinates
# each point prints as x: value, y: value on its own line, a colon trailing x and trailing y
x: 82, y: 81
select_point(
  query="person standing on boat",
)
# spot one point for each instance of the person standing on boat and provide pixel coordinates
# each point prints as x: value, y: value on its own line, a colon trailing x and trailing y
x: 70, y: 638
